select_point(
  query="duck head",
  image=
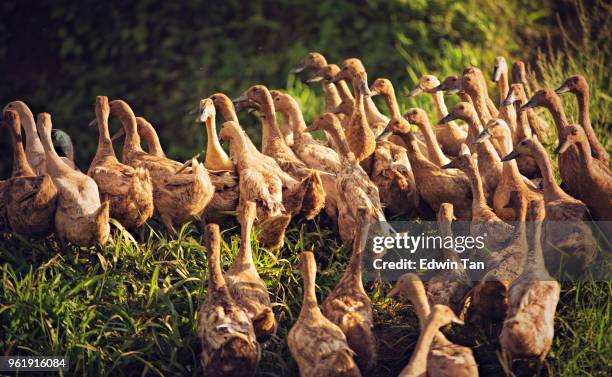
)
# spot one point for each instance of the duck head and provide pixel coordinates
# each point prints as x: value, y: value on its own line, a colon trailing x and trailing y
x: 461, y: 110
x: 20, y: 107
x: 569, y: 135
x: 442, y: 315
x: 327, y: 74
x: 256, y: 97
x: 524, y: 147
x: 450, y: 85
x: 354, y: 71
x: 519, y: 73
x: 516, y: 93
x: 326, y: 122
x: 542, y: 97
x: 397, y: 125
x: 229, y: 130
x: 427, y: 84
x: 206, y: 110
x: 464, y: 161
x: 499, y: 67
x: 282, y: 101
x: 416, y: 115
x: 381, y: 86
x: 574, y: 84
x: 407, y: 285
x: 313, y: 60
x: 495, y: 128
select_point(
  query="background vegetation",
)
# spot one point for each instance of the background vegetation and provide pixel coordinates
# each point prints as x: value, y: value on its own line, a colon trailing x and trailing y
x: 163, y: 56
x: 129, y: 309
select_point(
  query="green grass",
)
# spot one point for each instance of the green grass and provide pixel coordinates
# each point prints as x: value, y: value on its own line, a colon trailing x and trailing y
x: 129, y: 309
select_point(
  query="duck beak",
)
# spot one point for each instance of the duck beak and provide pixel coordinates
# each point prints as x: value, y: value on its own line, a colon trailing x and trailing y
x: 364, y: 90
x: 484, y: 135
x: 203, y: 115
x: 529, y: 105
x: 336, y: 78
x: 415, y: 91
x: 298, y: 68
x: 314, y: 79
x: 240, y: 103
x: 511, y: 156
x: 438, y: 88
x: 374, y: 92
x: 456, y: 320
x: 562, y: 89
x: 384, y: 135
x: 496, y: 74
x: 311, y: 128
x: 93, y: 123
x: 509, y: 100
x: 447, y: 119
x: 450, y: 165
x: 118, y: 134
x: 395, y: 292
x: 562, y: 147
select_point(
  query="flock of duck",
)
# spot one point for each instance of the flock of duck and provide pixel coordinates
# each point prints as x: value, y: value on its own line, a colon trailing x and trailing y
x: 491, y: 170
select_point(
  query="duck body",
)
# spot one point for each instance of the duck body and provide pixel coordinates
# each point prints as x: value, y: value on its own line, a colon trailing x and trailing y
x: 528, y: 329
x: 566, y: 234
x: 349, y: 307
x: 449, y: 135
x: 35, y: 153
x: 309, y: 198
x: 179, y: 196
x: 355, y: 188
x: 511, y: 180
x: 229, y: 346
x: 28, y: 201
x: 318, y: 346
x: 129, y: 191
x: 441, y: 357
x: 245, y: 285
x: 259, y: 184
x: 80, y: 217
x: 435, y: 185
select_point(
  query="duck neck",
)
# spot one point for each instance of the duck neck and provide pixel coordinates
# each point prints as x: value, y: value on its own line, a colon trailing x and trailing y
x: 147, y: 132
x: 295, y: 117
x: 551, y: 189
x: 132, y: 138
x: 105, y: 145
x: 418, y: 298
x: 535, y: 259
x: 55, y: 165
x: 270, y: 134
x: 584, y: 117
x: 309, y: 302
x: 332, y: 97
x: 558, y: 115
x: 214, y: 152
x: 29, y: 125
x: 503, y: 87
x: 522, y: 122
x: 480, y: 105
x: 21, y: 168
x: 245, y: 254
x: 433, y: 148
x: 479, y: 200
x: 239, y: 149
x: 343, y: 90
x: 227, y: 112
x: 509, y: 168
x: 354, y: 268
x: 438, y: 100
x: 584, y: 150
x: 418, y: 362
x: 474, y: 125
x: 339, y: 138
x: 216, y: 280
x: 391, y: 101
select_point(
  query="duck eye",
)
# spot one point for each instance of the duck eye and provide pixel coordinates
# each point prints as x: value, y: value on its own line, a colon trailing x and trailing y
x: 214, y: 98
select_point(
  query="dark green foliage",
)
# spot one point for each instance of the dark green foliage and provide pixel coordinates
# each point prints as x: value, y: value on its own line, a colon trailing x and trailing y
x: 162, y: 56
